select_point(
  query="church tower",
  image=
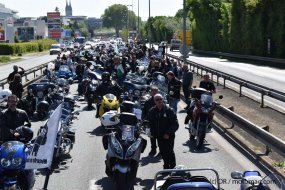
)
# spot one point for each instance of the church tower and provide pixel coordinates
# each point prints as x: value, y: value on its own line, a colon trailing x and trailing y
x: 68, y: 9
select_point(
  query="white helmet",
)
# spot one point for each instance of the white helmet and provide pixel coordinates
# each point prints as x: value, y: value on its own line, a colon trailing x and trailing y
x: 109, y: 118
x: 4, y: 94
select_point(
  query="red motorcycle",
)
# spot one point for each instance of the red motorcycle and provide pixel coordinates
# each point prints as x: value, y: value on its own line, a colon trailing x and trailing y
x: 200, y: 114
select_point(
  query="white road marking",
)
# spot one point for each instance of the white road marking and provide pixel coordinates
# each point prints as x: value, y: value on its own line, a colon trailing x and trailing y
x: 92, y: 185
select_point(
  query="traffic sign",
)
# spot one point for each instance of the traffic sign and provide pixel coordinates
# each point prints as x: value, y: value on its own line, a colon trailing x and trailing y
x: 187, y: 51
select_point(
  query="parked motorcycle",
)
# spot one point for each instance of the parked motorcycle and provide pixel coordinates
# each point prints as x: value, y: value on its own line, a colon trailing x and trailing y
x: 252, y: 180
x: 181, y: 178
x: 89, y: 87
x: 39, y: 97
x: 124, y: 149
x: 13, y: 156
x: 200, y: 114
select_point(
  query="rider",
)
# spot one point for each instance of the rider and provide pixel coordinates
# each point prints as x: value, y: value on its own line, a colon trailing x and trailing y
x: 207, y: 84
x: 13, y: 118
x: 107, y: 87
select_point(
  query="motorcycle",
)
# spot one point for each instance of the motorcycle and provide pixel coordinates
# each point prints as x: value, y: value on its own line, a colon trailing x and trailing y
x: 252, y: 180
x: 109, y: 102
x: 13, y: 156
x: 200, y: 114
x: 39, y: 97
x: 65, y: 72
x: 124, y: 148
x: 181, y: 178
x: 89, y: 87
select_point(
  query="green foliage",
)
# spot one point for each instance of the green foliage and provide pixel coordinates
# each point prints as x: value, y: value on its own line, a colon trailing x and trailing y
x: 115, y: 16
x: 162, y: 28
x: 5, y: 59
x: 26, y: 47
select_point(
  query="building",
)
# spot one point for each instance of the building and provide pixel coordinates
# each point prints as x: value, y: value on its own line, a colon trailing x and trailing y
x: 68, y: 9
x: 7, y: 17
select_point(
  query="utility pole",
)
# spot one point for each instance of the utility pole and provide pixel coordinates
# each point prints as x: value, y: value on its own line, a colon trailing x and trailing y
x: 149, y: 34
x: 184, y: 32
x: 138, y: 19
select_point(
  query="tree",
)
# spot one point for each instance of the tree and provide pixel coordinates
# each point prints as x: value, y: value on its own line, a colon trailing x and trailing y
x: 115, y: 16
x: 179, y: 13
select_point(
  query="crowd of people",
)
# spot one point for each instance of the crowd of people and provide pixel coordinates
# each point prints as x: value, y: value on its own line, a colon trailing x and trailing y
x: 162, y: 117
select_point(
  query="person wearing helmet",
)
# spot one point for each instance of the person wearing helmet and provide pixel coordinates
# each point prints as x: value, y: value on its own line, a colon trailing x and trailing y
x: 107, y: 87
x: 13, y: 118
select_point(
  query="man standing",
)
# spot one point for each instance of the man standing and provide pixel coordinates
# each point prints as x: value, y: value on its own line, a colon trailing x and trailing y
x: 187, y: 80
x: 80, y: 73
x: 174, y: 86
x: 147, y: 106
x: 163, y: 125
x: 13, y: 118
x: 16, y: 71
x: 207, y: 84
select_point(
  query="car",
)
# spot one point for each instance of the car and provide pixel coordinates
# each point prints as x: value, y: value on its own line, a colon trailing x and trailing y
x: 54, y: 49
x: 69, y: 47
x: 175, y: 44
x: 163, y: 43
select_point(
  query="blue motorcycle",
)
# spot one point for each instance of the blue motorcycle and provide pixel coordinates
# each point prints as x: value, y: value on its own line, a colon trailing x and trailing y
x: 13, y: 158
x: 65, y: 72
x: 181, y: 178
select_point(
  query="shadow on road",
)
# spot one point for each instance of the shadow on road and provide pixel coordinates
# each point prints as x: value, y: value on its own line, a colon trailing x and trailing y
x: 193, y: 149
x: 98, y: 131
x: 145, y: 184
x: 150, y: 159
x: 105, y: 183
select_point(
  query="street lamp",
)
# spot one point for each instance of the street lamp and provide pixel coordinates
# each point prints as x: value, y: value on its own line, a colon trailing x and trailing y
x: 138, y: 18
x: 184, y: 32
x: 128, y: 21
x: 149, y: 34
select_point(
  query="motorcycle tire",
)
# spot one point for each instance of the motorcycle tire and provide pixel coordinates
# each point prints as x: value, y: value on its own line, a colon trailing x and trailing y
x: 122, y: 182
x: 200, y: 137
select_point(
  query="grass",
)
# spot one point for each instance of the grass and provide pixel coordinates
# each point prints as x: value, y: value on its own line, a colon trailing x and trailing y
x: 4, y: 59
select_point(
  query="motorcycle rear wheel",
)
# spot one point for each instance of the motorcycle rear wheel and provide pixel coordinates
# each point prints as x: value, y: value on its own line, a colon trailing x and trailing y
x: 200, y: 137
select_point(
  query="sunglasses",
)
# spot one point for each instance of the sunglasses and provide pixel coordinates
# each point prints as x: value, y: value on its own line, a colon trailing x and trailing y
x: 158, y: 99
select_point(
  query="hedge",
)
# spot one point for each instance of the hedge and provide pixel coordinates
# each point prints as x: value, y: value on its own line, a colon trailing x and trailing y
x: 26, y: 47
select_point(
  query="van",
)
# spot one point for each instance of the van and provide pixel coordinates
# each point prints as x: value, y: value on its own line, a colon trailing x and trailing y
x: 175, y: 44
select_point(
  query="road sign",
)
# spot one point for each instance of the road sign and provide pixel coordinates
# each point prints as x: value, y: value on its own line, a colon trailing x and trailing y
x: 54, y: 25
x: 187, y: 51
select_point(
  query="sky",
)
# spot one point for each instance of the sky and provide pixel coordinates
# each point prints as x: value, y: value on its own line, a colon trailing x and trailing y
x: 92, y: 8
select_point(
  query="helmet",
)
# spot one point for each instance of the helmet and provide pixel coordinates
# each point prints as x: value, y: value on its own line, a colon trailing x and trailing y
x: 4, y: 94
x: 43, y: 106
x: 26, y: 133
x: 88, y: 64
x: 109, y: 119
x: 106, y: 76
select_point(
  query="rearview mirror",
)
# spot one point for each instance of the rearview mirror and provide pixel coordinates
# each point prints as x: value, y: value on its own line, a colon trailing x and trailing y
x: 221, y: 97
x: 237, y: 175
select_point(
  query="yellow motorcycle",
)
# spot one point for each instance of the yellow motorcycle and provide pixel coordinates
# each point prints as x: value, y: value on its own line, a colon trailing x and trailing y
x: 109, y: 102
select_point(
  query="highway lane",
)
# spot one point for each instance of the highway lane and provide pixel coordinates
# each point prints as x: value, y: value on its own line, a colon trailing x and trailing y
x: 86, y: 169
x: 264, y: 75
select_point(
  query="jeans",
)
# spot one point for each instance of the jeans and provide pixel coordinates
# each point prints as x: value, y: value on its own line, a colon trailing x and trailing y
x: 80, y: 86
x: 173, y: 104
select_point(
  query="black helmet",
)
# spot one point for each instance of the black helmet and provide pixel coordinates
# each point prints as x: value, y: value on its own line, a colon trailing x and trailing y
x: 43, y: 106
x: 26, y: 133
x: 106, y: 76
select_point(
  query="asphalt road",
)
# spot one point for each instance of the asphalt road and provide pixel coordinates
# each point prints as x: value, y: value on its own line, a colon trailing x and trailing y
x: 27, y: 62
x: 85, y: 170
x: 263, y: 75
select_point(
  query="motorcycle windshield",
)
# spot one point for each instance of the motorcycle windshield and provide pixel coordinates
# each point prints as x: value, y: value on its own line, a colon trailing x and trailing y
x: 207, y: 99
x: 110, y: 96
x: 128, y: 133
x: 10, y: 148
x: 160, y: 83
x: 64, y: 68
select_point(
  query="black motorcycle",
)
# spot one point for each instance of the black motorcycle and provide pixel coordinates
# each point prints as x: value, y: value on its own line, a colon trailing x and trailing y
x: 124, y: 149
x: 89, y: 87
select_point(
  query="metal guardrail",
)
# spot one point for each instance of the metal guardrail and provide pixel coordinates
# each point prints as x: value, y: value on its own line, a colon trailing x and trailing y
x: 248, y: 57
x: 264, y: 91
x: 257, y: 132
x: 28, y: 72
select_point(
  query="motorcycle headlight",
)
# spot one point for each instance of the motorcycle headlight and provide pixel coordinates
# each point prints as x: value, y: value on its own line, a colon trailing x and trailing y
x: 31, y: 91
x: 171, y: 93
x: 5, y: 163
x: 17, y: 162
x: 206, y: 110
x: 116, y: 146
x: 132, y: 149
x: 137, y: 93
x: 130, y: 91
